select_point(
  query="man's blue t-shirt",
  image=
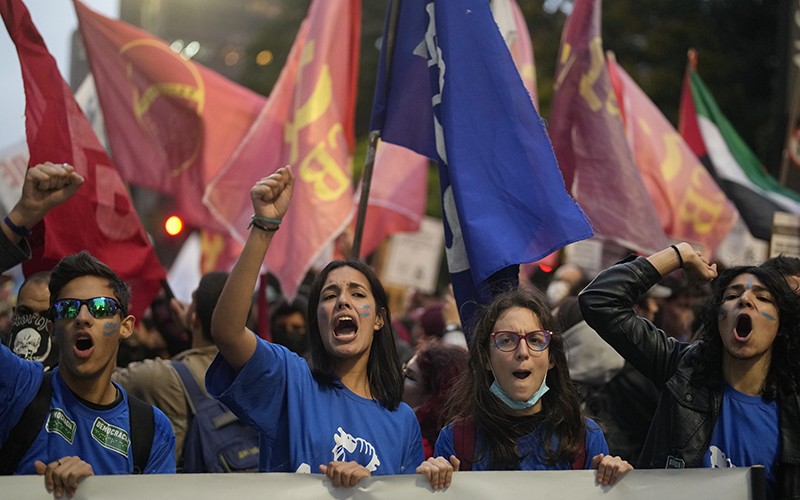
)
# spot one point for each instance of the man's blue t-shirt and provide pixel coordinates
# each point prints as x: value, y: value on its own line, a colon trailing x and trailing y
x: 747, y: 433
x: 595, y: 444
x: 304, y: 424
x: 100, y: 437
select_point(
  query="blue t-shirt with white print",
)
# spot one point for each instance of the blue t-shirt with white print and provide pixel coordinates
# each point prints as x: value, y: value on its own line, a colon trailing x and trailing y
x: 530, y: 446
x: 304, y: 424
x: 100, y: 437
x: 747, y: 433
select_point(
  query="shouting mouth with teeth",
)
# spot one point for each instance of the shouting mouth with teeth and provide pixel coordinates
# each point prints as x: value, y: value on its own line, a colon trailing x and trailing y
x: 748, y: 320
x: 346, y: 315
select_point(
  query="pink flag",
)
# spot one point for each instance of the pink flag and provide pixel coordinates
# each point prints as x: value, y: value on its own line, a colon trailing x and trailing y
x: 514, y: 29
x: 589, y: 139
x: 307, y: 123
x: 690, y: 204
x: 397, y: 197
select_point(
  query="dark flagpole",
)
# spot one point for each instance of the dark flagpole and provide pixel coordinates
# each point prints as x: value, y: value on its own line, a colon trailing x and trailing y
x: 375, y: 135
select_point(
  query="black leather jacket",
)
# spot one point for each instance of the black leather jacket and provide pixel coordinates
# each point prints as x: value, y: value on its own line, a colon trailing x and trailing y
x: 682, y: 428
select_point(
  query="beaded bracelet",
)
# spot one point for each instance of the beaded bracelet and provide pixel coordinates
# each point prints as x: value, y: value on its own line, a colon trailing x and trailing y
x: 261, y: 223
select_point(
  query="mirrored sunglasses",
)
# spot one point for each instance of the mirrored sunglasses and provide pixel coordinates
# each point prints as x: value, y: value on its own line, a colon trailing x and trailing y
x: 99, y: 307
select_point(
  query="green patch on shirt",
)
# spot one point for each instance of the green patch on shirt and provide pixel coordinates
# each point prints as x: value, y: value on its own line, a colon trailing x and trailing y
x: 59, y: 423
x: 111, y: 437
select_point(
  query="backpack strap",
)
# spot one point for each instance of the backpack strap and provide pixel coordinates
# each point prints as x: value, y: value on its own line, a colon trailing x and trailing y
x: 464, y: 442
x: 194, y: 393
x: 27, y: 428
x: 143, y: 429
x: 580, y: 461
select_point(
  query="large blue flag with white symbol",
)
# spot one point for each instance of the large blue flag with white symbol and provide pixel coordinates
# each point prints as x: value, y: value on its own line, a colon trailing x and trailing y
x: 454, y: 95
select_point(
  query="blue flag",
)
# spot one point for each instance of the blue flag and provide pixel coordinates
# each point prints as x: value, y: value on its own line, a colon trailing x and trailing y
x: 454, y: 95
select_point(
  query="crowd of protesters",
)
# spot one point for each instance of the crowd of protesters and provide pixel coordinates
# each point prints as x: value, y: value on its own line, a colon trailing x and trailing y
x: 658, y: 362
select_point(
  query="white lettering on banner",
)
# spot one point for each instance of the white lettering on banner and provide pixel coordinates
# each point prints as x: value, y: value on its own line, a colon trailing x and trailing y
x: 727, y: 483
x: 457, y: 260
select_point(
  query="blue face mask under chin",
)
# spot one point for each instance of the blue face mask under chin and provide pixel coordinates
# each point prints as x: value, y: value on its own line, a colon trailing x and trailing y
x: 513, y: 403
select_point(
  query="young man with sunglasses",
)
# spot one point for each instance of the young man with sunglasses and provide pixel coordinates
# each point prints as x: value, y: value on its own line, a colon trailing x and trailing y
x: 88, y: 428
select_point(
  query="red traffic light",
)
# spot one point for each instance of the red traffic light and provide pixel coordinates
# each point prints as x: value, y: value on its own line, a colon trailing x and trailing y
x: 173, y: 225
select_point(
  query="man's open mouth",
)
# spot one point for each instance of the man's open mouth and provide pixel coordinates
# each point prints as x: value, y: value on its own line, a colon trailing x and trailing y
x: 744, y: 326
x: 83, y: 345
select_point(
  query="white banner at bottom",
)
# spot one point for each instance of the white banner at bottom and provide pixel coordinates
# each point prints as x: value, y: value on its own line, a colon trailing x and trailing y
x: 730, y: 484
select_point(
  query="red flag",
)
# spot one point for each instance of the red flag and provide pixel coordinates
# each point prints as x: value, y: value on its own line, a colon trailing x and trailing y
x: 397, y: 197
x: 172, y: 124
x: 308, y: 123
x: 100, y: 216
x: 589, y: 140
x: 690, y: 204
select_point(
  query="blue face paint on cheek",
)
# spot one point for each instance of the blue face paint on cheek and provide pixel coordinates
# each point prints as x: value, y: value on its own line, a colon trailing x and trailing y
x: 769, y: 316
x: 365, y: 313
x: 110, y: 328
x: 323, y: 312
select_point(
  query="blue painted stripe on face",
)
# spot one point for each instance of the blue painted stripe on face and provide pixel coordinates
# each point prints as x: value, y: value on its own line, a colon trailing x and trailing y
x: 750, y: 283
x: 110, y: 328
x: 769, y: 316
x: 365, y: 307
x: 364, y: 315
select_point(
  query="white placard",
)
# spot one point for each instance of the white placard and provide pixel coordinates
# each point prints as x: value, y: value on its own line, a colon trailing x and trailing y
x: 414, y: 258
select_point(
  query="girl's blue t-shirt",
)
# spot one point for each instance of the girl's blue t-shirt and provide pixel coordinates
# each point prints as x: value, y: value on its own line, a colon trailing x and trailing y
x: 304, y: 424
x: 747, y: 433
x: 534, y: 460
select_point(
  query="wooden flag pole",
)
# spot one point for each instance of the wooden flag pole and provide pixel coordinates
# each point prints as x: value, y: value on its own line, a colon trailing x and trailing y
x: 375, y: 135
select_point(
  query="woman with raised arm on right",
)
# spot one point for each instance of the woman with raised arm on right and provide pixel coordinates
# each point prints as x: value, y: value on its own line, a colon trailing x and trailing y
x: 343, y: 416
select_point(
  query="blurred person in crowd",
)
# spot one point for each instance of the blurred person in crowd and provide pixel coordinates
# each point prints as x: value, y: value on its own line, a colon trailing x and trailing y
x: 565, y: 280
x: 288, y: 325
x: 427, y: 378
x: 730, y: 399
x: 649, y: 304
x: 45, y: 187
x: 516, y: 408
x: 309, y: 416
x: 789, y: 267
x: 677, y: 312
x: 91, y: 422
x: 156, y: 382
x: 29, y: 336
x: 619, y: 398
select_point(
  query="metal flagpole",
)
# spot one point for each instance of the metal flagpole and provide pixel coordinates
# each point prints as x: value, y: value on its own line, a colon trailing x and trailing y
x: 375, y: 135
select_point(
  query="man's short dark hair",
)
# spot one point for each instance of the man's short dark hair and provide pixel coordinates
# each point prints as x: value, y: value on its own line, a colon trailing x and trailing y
x: 206, y: 297
x: 83, y: 264
x: 42, y: 277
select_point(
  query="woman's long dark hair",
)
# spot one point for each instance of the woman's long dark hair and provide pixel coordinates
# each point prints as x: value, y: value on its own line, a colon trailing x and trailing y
x: 784, y: 369
x: 561, y: 414
x: 384, y: 373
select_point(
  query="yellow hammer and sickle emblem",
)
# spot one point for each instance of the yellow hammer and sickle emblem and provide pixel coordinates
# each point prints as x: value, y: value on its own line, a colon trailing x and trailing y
x: 142, y: 103
x: 330, y: 182
x: 595, y: 70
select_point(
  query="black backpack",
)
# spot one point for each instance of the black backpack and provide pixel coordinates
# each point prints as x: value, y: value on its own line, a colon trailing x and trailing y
x: 216, y: 440
x: 22, y: 436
